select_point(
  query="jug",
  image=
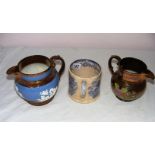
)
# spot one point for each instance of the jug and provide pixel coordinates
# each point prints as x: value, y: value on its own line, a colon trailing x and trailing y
x: 129, y: 80
x: 36, y: 79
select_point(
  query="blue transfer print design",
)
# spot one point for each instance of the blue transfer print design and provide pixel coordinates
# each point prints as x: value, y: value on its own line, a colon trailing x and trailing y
x: 94, y: 89
x: 72, y: 85
x: 85, y: 63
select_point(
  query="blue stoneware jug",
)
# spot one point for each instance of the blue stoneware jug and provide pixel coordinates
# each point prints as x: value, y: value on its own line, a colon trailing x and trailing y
x: 36, y: 79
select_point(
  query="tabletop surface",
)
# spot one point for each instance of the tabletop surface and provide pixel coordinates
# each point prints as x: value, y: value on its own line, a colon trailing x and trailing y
x: 62, y: 108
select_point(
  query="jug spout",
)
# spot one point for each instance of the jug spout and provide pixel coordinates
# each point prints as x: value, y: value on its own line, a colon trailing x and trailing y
x: 149, y: 74
x: 14, y: 71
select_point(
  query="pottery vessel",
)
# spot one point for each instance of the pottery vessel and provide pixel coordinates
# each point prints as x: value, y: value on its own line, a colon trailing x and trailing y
x: 84, y: 80
x: 129, y: 80
x: 36, y: 79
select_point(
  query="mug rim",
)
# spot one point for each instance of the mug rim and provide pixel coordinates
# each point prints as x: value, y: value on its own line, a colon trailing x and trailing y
x: 31, y: 57
x: 94, y: 76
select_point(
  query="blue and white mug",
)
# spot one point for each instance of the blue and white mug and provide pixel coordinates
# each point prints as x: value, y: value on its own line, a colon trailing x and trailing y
x: 36, y: 79
x: 84, y: 80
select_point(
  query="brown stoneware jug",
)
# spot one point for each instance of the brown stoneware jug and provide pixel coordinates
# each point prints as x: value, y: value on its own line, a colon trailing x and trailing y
x: 129, y: 80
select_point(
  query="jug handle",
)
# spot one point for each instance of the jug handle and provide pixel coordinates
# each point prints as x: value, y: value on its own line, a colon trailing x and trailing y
x: 110, y: 62
x: 54, y: 59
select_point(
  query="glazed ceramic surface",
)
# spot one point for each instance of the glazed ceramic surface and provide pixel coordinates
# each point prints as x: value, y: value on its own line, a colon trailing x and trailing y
x: 84, y: 80
x: 129, y: 80
x: 36, y: 79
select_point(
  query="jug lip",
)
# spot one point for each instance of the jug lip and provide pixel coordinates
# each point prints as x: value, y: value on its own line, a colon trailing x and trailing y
x: 32, y: 59
x: 83, y: 59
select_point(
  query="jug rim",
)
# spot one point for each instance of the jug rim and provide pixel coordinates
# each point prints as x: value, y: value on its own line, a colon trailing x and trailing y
x: 134, y: 70
x: 133, y: 64
x: 33, y: 59
x: 37, y: 83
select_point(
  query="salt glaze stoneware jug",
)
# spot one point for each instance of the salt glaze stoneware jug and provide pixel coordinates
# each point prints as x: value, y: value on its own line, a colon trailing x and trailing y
x: 36, y: 79
x: 84, y: 80
x: 129, y: 81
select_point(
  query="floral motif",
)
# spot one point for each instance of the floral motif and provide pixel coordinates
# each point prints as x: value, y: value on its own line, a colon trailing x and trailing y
x: 47, y: 94
x: 72, y: 85
x: 124, y: 92
x: 94, y: 89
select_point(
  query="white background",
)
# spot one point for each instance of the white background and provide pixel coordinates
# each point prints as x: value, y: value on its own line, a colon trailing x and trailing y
x: 77, y: 16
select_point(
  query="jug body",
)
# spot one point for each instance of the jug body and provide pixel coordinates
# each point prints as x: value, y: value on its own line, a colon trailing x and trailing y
x: 36, y: 79
x: 126, y: 90
x: 128, y: 82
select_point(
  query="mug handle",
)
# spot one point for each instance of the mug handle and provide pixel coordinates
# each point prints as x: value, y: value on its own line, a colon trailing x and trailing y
x: 110, y: 62
x: 54, y: 59
x: 83, y: 88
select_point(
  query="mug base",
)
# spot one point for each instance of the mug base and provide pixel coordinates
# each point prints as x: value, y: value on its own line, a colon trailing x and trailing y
x: 40, y: 103
x: 84, y: 101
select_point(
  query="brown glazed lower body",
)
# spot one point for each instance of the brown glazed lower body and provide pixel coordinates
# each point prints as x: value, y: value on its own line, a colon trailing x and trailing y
x: 129, y: 100
x: 40, y: 103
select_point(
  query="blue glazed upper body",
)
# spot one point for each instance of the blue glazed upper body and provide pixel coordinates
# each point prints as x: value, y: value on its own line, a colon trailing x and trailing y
x: 38, y: 77
x: 39, y: 93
